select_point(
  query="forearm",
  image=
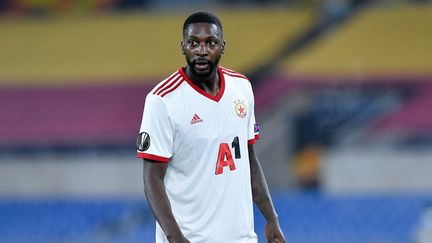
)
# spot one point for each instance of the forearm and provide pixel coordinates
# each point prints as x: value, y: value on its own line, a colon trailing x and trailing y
x: 157, y: 198
x: 161, y: 209
x: 260, y: 192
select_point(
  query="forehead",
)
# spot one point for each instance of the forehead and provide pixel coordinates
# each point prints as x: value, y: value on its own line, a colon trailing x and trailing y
x: 203, y: 29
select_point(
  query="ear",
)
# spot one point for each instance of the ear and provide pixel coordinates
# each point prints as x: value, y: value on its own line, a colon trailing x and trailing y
x: 223, y: 47
x: 182, y: 45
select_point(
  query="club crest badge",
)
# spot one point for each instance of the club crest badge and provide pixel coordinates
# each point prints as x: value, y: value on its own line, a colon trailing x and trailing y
x: 240, y: 108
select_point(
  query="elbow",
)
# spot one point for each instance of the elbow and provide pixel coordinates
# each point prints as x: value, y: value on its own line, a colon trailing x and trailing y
x: 147, y: 187
x: 146, y: 190
x: 152, y: 186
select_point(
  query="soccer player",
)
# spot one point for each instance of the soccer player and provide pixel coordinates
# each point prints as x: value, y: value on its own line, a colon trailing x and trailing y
x: 201, y: 174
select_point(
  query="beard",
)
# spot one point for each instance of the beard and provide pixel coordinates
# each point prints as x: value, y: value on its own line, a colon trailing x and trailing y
x: 202, y: 74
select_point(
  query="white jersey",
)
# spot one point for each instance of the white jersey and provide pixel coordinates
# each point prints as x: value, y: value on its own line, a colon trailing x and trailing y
x: 204, y: 139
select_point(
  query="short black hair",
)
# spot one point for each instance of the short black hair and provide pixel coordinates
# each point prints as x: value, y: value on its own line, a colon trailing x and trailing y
x: 202, y: 17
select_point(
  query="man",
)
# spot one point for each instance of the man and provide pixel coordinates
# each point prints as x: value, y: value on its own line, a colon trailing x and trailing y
x: 201, y: 173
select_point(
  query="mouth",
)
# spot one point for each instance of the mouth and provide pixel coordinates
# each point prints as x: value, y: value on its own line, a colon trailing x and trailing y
x: 202, y: 64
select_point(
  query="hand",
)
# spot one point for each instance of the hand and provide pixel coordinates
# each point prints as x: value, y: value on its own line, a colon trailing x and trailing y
x: 274, y: 233
x: 178, y: 239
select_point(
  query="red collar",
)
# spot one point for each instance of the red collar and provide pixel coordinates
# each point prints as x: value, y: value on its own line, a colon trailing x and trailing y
x: 218, y: 96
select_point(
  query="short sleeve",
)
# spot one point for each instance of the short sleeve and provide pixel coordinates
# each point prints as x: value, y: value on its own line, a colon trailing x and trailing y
x: 253, y: 127
x: 155, y: 140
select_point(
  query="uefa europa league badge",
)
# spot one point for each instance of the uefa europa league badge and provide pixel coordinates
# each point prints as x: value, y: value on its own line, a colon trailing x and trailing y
x: 240, y: 108
x: 143, y: 141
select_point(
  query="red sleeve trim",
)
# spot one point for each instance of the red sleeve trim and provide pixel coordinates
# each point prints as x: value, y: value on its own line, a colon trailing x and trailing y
x: 253, y: 140
x: 152, y: 157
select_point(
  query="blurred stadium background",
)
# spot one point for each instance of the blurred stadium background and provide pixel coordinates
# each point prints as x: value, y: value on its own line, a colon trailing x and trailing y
x: 343, y: 93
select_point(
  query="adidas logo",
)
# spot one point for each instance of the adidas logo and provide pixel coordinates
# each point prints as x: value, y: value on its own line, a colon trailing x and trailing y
x: 196, y: 119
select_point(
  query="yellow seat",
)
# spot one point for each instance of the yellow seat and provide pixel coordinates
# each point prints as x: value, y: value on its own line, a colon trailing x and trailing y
x: 375, y: 43
x: 131, y: 47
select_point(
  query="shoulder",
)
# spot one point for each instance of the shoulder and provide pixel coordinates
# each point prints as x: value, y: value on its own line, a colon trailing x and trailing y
x: 159, y: 99
x: 231, y: 74
x: 236, y: 79
x: 168, y: 85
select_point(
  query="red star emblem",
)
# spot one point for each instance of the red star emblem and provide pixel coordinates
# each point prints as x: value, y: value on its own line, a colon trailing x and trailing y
x: 241, y: 110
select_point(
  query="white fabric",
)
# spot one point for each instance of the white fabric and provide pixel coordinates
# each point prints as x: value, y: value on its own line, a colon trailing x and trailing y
x: 187, y: 128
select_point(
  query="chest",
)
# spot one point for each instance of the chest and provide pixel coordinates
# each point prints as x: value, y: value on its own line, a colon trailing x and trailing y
x: 203, y: 119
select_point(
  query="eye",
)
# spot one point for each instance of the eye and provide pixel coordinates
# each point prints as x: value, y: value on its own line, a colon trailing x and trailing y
x: 212, y: 43
x: 193, y: 43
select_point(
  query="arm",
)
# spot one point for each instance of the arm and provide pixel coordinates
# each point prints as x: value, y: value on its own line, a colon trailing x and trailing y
x: 154, y: 189
x: 262, y: 199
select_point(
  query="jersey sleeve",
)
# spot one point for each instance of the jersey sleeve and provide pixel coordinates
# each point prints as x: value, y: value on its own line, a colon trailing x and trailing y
x: 253, y: 127
x: 155, y: 140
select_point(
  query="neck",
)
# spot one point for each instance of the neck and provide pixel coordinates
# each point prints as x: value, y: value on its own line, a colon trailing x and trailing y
x: 210, y: 83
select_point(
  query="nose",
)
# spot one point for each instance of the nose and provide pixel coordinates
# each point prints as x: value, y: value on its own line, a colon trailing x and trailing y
x: 202, y: 50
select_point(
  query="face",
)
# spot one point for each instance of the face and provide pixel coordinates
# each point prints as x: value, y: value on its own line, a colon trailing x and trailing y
x: 202, y: 46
